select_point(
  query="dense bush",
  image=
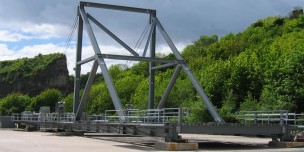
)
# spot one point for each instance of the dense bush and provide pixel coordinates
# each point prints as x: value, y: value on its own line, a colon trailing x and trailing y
x: 13, y: 103
x: 47, y: 98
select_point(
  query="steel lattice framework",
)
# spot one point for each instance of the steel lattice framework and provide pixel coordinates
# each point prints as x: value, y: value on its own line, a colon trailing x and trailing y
x: 85, y: 20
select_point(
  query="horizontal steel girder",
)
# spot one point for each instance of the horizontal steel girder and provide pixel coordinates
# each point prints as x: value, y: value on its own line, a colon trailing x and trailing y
x: 134, y: 58
x: 117, y: 7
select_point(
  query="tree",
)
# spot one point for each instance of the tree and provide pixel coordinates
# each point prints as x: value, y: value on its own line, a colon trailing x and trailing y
x: 197, y: 112
x: 13, y: 103
x: 69, y: 102
x: 46, y: 98
x: 99, y: 99
x: 296, y: 13
x: 229, y: 109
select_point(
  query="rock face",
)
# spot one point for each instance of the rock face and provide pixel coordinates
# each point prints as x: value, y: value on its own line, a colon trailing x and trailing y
x: 32, y: 79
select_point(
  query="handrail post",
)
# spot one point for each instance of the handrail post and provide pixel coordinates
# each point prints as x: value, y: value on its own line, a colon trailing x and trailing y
x: 180, y: 115
x: 286, y: 121
x: 105, y: 118
x: 295, y: 119
x: 268, y: 118
x: 255, y: 118
x: 281, y: 118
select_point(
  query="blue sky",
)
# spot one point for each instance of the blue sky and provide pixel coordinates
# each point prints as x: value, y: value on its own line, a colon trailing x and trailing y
x: 30, y: 27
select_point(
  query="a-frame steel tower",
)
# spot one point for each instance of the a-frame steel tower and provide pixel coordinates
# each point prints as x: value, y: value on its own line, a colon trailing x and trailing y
x: 85, y: 20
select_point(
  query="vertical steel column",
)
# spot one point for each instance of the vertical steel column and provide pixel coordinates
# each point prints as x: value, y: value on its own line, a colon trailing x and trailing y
x: 152, y: 64
x: 195, y: 83
x: 78, y: 67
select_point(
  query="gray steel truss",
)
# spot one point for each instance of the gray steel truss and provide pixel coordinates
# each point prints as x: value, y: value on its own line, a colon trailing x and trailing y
x: 84, y: 19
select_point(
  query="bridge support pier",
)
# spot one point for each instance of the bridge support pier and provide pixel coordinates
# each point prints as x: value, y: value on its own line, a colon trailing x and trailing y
x: 171, y: 134
x: 174, y: 146
x: 279, y: 144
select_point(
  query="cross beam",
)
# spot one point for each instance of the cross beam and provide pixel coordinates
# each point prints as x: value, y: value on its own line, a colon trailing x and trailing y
x: 117, y: 7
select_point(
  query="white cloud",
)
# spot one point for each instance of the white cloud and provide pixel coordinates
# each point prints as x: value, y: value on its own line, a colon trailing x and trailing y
x: 45, y: 31
x: 8, y: 36
x: 165, y: 49
x: 12, y: 31
x: 5, y: 53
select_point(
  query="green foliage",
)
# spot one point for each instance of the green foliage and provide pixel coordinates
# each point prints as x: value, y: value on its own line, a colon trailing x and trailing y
x: 229, y: 46
x: 198, y: 49
x: 141, y: 69
x: 116, y: 71
x: 140, y: 97
x: 26, y: 67
x: 126, y: 86
x: 69, y: 103
x: 13, y: 103
x: 33, y: 75
x: 99, y: 99
x: 229, y: 108
x: 181, y: 93
x: 296, y: 13
x: 197, y: 112
x: 213, y: 79
x: 47, y: 98
x: 249, y: 104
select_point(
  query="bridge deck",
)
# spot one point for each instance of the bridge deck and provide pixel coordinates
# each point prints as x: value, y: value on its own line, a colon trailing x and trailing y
x: 159, y: 122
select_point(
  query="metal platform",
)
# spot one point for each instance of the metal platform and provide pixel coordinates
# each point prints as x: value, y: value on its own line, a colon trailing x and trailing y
x: 166, y: 123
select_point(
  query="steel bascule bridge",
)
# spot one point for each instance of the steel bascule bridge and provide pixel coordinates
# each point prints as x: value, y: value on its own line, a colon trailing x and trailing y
x: 163, y: 121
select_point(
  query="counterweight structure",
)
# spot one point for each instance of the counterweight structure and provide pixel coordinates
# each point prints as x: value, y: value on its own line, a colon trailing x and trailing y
x: 85, y: 20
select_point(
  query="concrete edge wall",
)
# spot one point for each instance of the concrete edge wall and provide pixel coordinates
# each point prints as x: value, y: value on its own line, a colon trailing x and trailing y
x: 6, y: 122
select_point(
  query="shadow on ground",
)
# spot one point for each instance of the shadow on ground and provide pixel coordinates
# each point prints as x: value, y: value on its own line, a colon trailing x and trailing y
x: 147, y: 144
x: 211, y: 145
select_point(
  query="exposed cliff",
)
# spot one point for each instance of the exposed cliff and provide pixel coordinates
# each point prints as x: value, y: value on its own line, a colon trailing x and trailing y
x: 33, y: 75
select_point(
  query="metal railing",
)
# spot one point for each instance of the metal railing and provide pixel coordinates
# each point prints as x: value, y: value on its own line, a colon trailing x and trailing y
x: 26, y: 116
x: 281, y: 117
x: 149, y: 116
x: 43, y: 117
